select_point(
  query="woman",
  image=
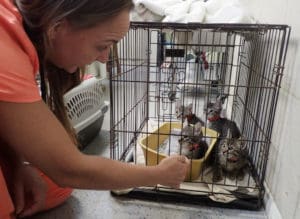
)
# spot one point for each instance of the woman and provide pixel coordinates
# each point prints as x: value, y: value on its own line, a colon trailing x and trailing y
x: 56, y: 38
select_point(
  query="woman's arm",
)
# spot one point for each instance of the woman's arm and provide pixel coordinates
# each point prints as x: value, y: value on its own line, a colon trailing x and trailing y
x: 34, y: 132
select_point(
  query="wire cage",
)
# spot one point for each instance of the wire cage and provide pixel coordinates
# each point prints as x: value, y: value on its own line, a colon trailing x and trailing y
x: 159, y: 67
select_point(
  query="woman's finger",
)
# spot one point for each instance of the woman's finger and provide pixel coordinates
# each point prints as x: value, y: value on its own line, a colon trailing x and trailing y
x: 37, y: 205
x: 183, y: 159
x: 19, y: 197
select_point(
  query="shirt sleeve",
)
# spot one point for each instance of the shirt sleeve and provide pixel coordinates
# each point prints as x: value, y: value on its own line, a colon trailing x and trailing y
x: 17, y: 76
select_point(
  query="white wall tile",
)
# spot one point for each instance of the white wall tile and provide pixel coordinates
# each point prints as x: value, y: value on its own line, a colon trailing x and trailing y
x: 283, y: 172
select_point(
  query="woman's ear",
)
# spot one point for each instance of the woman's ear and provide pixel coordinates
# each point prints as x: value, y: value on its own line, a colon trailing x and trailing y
x: 57, y: 28
x: 52, y: 30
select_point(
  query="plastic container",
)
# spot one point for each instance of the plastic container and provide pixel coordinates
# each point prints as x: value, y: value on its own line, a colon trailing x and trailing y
x: 86, y: 108
x: 150, y: 143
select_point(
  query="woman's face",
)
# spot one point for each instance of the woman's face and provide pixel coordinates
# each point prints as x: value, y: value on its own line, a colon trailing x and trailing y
x: 70, y: 48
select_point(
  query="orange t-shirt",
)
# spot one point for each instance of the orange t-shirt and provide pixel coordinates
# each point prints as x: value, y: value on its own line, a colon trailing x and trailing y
x: 18, y: 68
x: 18, y: 58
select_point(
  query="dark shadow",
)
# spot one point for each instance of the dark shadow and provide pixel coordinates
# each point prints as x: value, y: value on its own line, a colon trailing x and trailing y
x: 99, y: 145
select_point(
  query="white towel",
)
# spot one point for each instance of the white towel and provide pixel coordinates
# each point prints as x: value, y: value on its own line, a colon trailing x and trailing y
x: 185, y: 11
x: 197, y: 12
x: 181, y: 8
x: 156, y: 6
x: 141, y: 13
x: 230, y: 14
x: 212, y: 6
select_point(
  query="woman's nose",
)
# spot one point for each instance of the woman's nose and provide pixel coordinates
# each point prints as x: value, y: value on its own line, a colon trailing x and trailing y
x: 104, y: 56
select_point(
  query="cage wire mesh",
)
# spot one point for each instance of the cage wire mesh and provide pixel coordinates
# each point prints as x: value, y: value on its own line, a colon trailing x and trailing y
x: 158, y: 68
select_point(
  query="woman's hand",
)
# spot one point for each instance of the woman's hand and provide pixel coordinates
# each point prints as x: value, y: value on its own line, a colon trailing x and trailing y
x: 173, y: 170
x: 29, y: 191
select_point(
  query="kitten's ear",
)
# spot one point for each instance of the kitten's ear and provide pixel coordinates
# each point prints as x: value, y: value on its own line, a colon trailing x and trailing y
x: 209, y: 105
x: 185, y: 123
x: 229, y: 135
x: 242, y: 143
x: 222, y: 98
x: 198, y: 127
x: 190, y: 107
x: 217, y: 106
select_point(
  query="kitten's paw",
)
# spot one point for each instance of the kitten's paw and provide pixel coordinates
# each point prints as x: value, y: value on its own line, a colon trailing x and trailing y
x: 217, y: 177
x: 240, y: 176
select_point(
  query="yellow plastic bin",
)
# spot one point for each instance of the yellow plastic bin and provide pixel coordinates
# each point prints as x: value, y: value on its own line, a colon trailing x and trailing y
x: 150, y: 143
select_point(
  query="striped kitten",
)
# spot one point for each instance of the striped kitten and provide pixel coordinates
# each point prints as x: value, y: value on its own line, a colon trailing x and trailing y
x: 186, y: 112
x: 192, y: 144
x: 232, y: 158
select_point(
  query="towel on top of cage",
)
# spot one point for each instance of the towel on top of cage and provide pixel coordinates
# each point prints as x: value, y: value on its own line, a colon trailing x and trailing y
x: 142, y: 13
x: 185, y: 11
x: 234, y: 11
x: 168, y: 11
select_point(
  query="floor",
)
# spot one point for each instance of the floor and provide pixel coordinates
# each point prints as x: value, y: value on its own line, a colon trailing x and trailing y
x: 89, y: 204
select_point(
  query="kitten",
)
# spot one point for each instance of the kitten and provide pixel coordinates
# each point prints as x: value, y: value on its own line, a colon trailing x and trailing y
x: 228, y: 133
x: 192, y: 145
x: 232, y: 158
x: 215, y: 122
x: 185, y: 112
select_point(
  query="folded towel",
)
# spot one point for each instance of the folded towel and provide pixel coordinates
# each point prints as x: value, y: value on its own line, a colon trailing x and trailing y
x: 197, y: 12
x: 185, y: 11
x: 230, y: 14
x: 212, y: 6
x: 156, y: 6
x: 179, y: 18
x: 181, y: 8
x: 141, y: 13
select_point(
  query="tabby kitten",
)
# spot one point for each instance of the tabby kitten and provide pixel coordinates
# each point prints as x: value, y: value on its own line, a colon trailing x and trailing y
x: 215, y: 122
x: 228, y: 144
x: 186, y: 112
x: 232, y: 158
x: 192, y: 144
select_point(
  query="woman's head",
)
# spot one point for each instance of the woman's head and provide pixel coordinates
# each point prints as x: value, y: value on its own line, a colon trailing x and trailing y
x: 70, y: 48
x: 77, y: 32
x: 69, y: 34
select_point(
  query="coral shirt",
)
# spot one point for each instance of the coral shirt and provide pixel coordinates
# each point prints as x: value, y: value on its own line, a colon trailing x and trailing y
x: 18, y: 68
x: 18, y: 58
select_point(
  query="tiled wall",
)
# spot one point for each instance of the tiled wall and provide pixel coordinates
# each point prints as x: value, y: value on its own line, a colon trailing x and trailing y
x: 283, y: 172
